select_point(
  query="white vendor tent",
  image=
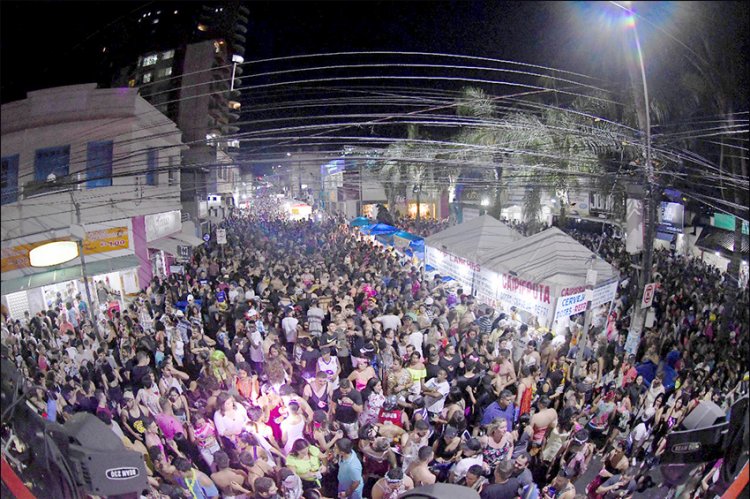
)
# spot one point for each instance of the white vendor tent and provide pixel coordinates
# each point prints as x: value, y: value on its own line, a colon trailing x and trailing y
x: 473, y: 239
x: 550, y: 256
x: 545, y: 274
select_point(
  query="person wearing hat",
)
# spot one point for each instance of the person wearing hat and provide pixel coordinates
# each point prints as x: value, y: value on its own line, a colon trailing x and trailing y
x: 472, y: 455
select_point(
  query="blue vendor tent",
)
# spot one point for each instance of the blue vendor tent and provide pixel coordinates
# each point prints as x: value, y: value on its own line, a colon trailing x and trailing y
x: 360, y: 221
x: 403, y: 240
x: 378, y: 229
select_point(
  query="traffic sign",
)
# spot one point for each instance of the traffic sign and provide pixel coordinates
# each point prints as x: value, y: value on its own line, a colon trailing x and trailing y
x: 648, y: 295
x: 207, y: 237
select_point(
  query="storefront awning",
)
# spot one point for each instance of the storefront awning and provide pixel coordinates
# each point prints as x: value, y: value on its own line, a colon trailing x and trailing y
x: 166, y: 244
x: 69, y: 273
x: 720, y: 240
x: 189, y: 239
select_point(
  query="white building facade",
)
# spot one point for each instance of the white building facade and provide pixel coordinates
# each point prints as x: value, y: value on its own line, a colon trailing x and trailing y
x: 103, y: 160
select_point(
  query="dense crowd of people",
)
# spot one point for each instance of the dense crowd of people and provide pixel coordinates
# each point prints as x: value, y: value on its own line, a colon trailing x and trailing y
x: 308, y: 361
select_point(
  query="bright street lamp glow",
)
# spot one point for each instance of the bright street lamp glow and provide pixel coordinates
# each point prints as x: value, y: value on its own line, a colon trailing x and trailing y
x: 53, y: 253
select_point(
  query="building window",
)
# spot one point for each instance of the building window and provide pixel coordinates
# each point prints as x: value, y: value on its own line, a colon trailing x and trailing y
x: 167, y: 55
x: 9, y: 179
x: 149, y: 60
x: 147, y: 78
x: 164, y: 72
x: 152, y: 168
x: 51, y: 160
x: 99, y: 164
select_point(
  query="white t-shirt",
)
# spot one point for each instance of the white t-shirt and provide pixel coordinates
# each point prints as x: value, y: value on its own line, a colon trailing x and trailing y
x: 462, y: 467
x: 389, y: 321
x: 416, y: 338
x: 289, y: 325
x: 233, y: 422
x: 256, y: 354
x: 437, y: 404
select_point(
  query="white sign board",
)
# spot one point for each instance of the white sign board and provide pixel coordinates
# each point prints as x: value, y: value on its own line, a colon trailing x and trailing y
x: 532, y: 297
x: 486, y: 283
x: 648, y: 295
x: 634, y: 338
x: 445, y: 264
x: 162, y: 224
x: 604, y: 294
x: 221, y: 236
x: 572, y: 301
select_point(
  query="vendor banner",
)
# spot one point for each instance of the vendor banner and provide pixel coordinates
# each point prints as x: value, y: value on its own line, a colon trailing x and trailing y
x: 486, y: 284
x: 97, y: 241
x: 604, y: 293
x: 572, y: 301
x: 446, y: 264
x: 634, y: 224
x: 532, y: 297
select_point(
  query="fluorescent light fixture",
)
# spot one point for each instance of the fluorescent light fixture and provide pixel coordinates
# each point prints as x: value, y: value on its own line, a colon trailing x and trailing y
x: 238, y: 59
x: 53, y: 253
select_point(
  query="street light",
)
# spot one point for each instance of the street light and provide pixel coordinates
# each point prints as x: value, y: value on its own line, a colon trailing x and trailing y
x: 53, y: 253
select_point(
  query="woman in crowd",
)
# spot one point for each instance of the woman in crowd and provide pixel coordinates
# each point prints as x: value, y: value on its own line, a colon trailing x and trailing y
x: 200, y: 368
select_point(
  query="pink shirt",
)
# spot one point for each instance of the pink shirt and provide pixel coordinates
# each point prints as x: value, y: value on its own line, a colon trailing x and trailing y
x: 169, y: 425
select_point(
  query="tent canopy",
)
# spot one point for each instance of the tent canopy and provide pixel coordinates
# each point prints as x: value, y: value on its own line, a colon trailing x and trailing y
x: 377, y: 229
x: 474, y: 239
x: 360, y: 221
x: 550, y: 256
x: 407, y: 235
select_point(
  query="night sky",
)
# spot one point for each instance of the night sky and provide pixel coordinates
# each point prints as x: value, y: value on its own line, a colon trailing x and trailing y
x: 43, y: 43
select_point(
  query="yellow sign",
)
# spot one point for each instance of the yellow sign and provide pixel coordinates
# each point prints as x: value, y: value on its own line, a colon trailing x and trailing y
x: 102, y: 241
x: 97, y: 241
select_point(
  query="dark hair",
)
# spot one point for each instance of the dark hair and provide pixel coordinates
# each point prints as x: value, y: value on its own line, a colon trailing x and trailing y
x: 395, y: 474
x: 263, y: 484
x: 221, y: 459
x: 344, y: 445
x: 425, y: 452
x: 476, y: 470
x: 184, y: 465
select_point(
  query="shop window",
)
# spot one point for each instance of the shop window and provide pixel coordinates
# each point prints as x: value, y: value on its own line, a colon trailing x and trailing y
x: 99, y: 164
x: 9, y: 179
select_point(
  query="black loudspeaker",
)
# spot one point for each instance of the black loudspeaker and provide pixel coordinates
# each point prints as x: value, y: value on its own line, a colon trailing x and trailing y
x: 441, y: 491
x: 704, y: 415
x: 101, y: 463
x: 737, y: 441
x: 701, y: 438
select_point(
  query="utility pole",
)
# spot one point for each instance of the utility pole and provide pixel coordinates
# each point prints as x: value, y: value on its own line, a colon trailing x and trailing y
x: 583, y: 336
x: 638, y: 317
x: 79, y: 240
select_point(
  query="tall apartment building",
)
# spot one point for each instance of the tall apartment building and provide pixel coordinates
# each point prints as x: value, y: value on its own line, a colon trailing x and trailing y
x: 185, y: 59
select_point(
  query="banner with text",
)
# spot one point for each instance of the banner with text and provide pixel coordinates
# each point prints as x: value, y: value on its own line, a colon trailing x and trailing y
x: 532, y: 297
x: 96, y: 241
x: 572, y: 301
x: 604, y: 293
x: 460, y: 269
